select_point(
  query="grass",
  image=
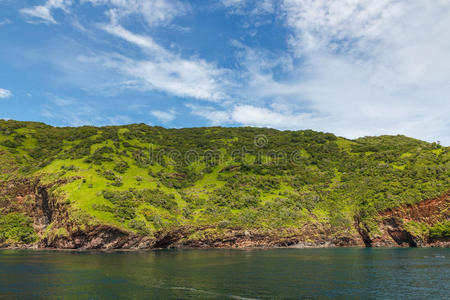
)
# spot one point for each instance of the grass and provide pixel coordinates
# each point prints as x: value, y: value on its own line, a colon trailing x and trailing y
x: 83, y: 193
x: 345, y: 144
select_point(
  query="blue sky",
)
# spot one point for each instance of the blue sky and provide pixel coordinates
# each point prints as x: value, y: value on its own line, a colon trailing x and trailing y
x: 353, y: 68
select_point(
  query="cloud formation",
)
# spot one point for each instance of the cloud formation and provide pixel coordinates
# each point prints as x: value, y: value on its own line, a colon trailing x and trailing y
x: 354, y: 68
x: 5, y: 93
x: 155, y: 12
x: 43, y: 13
x: 5, y: 22
x: 165, y: 71
x: 376, y: 66
x: 164, y: 116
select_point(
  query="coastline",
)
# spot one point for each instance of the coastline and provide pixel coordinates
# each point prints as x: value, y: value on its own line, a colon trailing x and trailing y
x: 101, y: 250
x: 247, y: 244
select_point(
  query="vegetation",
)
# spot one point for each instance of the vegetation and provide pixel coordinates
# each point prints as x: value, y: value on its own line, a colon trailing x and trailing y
x: 16, y: 228
x: 145, y: 179
x: 440, y: 230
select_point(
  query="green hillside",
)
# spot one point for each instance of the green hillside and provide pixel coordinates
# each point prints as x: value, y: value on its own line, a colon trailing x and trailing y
x: 149, y: 180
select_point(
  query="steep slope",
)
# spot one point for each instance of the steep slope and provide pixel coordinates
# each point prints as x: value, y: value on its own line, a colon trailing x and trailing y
x: 415, y: 225
x: 138, y: 186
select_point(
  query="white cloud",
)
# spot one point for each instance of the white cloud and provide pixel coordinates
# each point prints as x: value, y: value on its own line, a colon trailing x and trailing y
x: 78, y: 113
x: 62, y: 101
x: 250, y: 115
x: 344, y: 24
x: 69, y: 115
x: 40, y: 12
x: 155, y: 12
x: 165, y: 71
x: 164, y: 116
x: 394, y: 44
x: 43, y: 13
x: 228, y: 3
x: 5, y: 22
x: 158, y: 68
x: 5, y: 94
x: 213, y: 115
x: 250, y: 7
x: 374, y: 67
x: 119, y: 120
x: 354, y: 68
x: 180, y: 77
x: 258, y: 116
x: 145, y: 42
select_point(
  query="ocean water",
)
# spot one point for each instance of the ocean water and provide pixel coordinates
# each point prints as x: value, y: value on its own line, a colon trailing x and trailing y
x: 342, y: 273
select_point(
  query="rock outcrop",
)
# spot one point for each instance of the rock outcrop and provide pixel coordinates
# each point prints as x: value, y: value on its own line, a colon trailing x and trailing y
x: 393, y: 229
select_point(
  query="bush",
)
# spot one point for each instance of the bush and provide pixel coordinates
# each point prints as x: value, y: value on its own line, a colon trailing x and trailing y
x: 10, y: 144
x: 123, y: 208
x: 125, y: 212
x: 156, y: 197
x: 100, y: 155
x: 440, y: 230
x: 108, y: 174
x: 223, y: 224
x: 140, y: 226
x: 70, y: 168
x: 16, y: 227
x: 117, y: 182
x: 121, y: 167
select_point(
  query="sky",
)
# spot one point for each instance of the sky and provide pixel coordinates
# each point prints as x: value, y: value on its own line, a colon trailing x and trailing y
x: 352, y: 68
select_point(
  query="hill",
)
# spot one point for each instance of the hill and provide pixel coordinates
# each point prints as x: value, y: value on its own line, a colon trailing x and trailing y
x: 138, y: 186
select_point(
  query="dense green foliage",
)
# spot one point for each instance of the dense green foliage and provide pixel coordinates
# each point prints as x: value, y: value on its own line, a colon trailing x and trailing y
x: 148, y: 178
x: 16, y: 228
x: 440, y: 230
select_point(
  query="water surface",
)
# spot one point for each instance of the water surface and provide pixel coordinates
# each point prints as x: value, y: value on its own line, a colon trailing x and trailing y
x: 343, y: 273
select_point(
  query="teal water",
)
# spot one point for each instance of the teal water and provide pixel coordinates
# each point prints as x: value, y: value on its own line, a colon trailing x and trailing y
x: 343, y: 273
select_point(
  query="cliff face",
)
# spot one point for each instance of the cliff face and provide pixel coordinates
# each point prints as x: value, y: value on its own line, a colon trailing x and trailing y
x: 56, y: 228
x: 52, y: 221
x: 28, y: 197
x: 398, y: 226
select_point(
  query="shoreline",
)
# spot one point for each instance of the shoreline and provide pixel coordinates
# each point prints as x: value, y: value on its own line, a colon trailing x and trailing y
x: 299, y: 246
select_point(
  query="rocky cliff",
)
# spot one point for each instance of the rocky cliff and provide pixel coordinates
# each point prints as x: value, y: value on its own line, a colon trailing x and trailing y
x: 406, y: 225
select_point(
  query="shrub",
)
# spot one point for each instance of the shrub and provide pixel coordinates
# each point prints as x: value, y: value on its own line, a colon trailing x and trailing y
x: 124, y: 212
x: 123, y: 205
x: 121, y: 167
x: 223, y: 224
x: 108, y: 174
x: 70, y: 168
x: 440, y: 230
x: 10, y: 144
x: 140, y: 226
x: 117, y: 182
x: 16, y: 227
